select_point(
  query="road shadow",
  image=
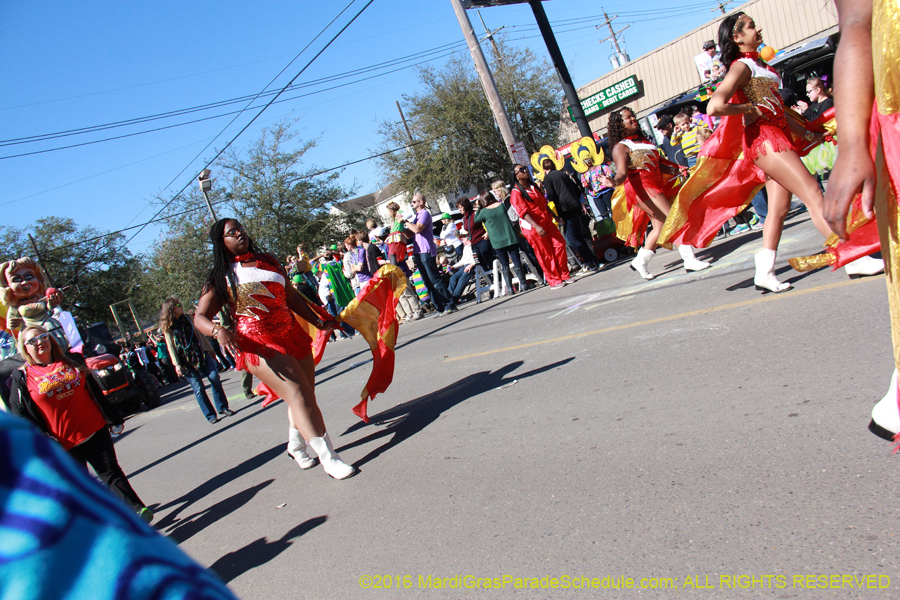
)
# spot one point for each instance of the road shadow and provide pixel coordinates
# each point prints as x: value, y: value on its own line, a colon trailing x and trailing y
x: 234, y: 422
x: 259, y: 552
x: 204, y: 489
x: 183, y: 529
x: 409, y: 418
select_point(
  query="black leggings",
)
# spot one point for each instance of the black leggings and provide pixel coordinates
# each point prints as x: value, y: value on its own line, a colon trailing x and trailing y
x: 99, y: 452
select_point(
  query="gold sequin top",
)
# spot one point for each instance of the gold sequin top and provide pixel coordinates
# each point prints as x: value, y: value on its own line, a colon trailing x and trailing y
x: 762, y: 90
x: 886, y: 54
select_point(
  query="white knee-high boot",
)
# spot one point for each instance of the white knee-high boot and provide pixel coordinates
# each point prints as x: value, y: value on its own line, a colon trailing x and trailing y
x: 691, y: 262
x: 330, y: 460
x: 864, y: 266
x: 641, y: 261
x: 765, y: 279
x: 886, y: 414
x: 297, y: 450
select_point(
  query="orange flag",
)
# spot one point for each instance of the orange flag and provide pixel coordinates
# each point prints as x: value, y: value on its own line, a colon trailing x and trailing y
x: 373, y: 314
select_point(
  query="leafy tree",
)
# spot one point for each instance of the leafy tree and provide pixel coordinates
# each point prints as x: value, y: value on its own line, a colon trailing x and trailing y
x: 266, y: 188
x: 97, y: 272
x: 459, y: 144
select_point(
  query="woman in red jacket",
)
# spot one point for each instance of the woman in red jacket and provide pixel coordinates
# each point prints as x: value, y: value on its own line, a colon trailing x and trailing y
x: 56, y: 391
x: 537, y: 226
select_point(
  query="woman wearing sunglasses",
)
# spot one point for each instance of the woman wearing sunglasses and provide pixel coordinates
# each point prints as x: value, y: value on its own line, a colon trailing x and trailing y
x: 194, y: 358
x: 537, y: 226
x: 266, y: 339
x: 58, y: 393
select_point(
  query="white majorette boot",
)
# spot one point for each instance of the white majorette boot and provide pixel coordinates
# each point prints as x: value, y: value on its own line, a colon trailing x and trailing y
x: 864, y: 266
x: 886, y: 414
x: 641, y: 261
x: 691, y: 262
x: 330, y: 460
x: 297, y: 450
x: 765, y: 279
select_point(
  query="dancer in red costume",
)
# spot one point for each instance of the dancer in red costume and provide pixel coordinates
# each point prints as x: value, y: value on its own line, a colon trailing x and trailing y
x: 867, y: 95
x: 750, y: 90
x: 549, y: 246
x: 267, y: 340
x: 640, y: 168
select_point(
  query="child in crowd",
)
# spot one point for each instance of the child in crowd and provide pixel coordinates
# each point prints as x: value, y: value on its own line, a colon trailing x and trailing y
x: 686, y: 135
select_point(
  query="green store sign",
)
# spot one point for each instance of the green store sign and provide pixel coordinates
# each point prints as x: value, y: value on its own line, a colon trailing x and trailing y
x: 609, y: 96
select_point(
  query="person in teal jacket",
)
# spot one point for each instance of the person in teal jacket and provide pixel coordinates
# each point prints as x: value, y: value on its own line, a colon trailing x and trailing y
x: 502, y: 237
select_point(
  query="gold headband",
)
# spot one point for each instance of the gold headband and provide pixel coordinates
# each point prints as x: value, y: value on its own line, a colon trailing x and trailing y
x: 734, y: 30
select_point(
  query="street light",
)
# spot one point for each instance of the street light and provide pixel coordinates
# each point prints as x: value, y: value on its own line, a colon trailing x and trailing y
x: 205, y: 186
x: 555, y: 56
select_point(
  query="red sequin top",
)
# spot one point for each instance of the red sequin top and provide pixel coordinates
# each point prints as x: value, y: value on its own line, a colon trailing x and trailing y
x: 762, y: 91
x: 263, y: 321
x: 643, y: 165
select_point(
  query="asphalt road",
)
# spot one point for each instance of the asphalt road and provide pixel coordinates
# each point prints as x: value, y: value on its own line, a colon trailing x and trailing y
x: 687, y: 433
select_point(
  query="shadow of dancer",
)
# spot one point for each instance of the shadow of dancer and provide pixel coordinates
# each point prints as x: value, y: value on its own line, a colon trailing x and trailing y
x: 259, y: 552
x: 184, y: 528
x: 411, y: 417
x: 211, y: 485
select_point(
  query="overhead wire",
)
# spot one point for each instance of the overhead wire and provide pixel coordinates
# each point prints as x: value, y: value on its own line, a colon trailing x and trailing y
x: 158, y: 219
x: 239, y: 133
x: 142, y: 226
x: 669, y: 12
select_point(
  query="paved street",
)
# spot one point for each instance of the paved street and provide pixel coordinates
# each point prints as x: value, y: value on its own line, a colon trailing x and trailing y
x: 686, y: 428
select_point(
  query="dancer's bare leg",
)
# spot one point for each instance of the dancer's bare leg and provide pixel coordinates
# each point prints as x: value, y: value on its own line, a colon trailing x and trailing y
x: 789, y: 171
x: 657, y: 208
x: 779, y: 205
x: 308, y: 365
x: 285, y: 376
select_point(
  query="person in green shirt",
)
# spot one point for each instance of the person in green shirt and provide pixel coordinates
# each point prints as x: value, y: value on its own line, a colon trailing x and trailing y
x: 501, y: 235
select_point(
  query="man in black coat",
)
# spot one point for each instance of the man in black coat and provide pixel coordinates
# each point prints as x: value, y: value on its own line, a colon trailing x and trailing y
x: 565, y: 193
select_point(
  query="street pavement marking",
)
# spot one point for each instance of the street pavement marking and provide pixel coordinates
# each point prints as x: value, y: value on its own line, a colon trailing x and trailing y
x: 764, y: 298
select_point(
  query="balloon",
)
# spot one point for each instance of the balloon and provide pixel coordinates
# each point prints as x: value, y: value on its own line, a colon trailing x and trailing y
x: 767, y: 53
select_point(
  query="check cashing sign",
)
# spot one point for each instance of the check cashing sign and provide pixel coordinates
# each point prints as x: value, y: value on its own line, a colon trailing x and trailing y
x: 609, y: 96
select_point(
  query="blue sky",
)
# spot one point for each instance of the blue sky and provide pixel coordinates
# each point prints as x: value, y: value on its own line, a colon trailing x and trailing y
x: 70, y: 65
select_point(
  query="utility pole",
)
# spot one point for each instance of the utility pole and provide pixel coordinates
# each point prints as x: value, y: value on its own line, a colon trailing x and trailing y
x: 561, y: 70
x: 40, y: 260
x: 487, y: 79
x: 490, y: 37
x: 613, y: 35
x: 405, y: 124
x: 721, y: 7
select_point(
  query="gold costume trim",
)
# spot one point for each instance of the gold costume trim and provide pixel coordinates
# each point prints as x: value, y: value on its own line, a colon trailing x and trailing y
x: 640, y: 159
x: 621, y: 214
x: 886, y: 54
x: 887, y: 216
x: 245, y: 300
x: 810, y: 263
x: 762, y: 91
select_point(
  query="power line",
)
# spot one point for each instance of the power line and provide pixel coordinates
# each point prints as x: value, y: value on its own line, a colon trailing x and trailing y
x: 293, y: 79
x: 442, y: 52
x: 220, y: 152
x: 157, y: 219
x: 221, y: 103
